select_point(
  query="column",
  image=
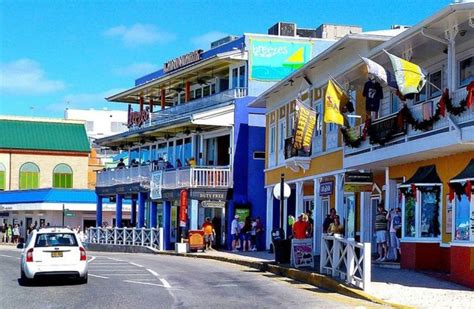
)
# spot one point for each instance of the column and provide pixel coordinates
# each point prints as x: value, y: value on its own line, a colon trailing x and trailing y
x: 118, y: 210
x: 269, y: 219
x: 365, y: 217
x: 194, y: 215
x: 141, y: 209
x: 133, y: 213
x: 339, y: 195
x: 387, y: 189
x: 153, y: 212
x: 318, y: 218
x: 450, y: 35
x: 98, y: 211
x: 163, y: 98
x: 299, y: 199
x: 230, y: 217
x: 167, y: 224
x: 187, y: 93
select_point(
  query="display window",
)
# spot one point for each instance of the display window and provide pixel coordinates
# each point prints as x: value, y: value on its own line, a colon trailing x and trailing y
x: 463, y: 219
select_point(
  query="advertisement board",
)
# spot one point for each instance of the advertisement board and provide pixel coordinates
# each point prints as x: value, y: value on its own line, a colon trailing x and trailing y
x: 273, y: 59
x: 302, y: 253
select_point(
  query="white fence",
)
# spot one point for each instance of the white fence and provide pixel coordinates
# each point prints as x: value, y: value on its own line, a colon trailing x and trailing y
x: 197, y: 177
x: 346, y: 260
x: 126, y: 175
x: 126, y: 237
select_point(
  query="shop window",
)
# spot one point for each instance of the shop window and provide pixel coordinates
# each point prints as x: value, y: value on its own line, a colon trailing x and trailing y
x: 421, y: 96
x: 466, y: 71
x: 410, y: 217
x: 463, y: 219
x: 62, y: 176
x: 422, y: 214
x: 2, y: 177
x: 206, y: 91
x: 435, y: 79
x: 198, y: 93
x: 259, y: 155
x: 29, y: 176
x: 394, y: 102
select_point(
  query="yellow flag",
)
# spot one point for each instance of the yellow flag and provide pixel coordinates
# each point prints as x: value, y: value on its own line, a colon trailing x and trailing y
x: 333, y: 99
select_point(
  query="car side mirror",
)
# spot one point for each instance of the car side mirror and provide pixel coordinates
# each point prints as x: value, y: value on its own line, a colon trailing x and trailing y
x: 20, y: 246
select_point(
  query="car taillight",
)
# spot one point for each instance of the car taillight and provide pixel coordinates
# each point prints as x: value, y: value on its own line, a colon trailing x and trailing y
x: 83, y: 254
x: 29, y: 255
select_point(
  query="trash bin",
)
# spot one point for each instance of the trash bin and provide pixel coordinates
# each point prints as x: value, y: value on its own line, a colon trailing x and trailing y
x: 281, y: 246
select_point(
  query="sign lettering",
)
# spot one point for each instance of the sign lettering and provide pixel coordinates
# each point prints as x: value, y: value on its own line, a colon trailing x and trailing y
x: 182, y: 61
x: 326, y: 188
x: 137, y: 119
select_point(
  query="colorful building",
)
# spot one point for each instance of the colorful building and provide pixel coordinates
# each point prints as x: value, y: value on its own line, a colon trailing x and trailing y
x: 198, y: 147
x: 415, y: 151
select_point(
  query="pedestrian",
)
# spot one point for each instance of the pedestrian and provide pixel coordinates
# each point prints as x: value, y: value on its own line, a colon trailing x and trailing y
x: 336, y: 228
x: 9, y: 233
x: 329, y: 219
x: 247, y: 234
x: 395, y: 232
x: 235, y: 231
x: 253, y: 236
x: 209, y: 233
x: 259, y: 230
x: 381, y: 232
x: 3, y: 231
x: 310, y: 219
x: 16, y: 234
x: 121, y: 164
x: 301, y: 227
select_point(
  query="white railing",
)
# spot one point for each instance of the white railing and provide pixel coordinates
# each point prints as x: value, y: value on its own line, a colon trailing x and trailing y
x: 197, y: 177
x: 420, y: 111
x: 126, y: 175
x: 126, y: 237
x: 347, y: 260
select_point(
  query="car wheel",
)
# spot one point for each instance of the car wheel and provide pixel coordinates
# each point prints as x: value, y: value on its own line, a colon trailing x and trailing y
x: 23, y: 279
x: 83, y: 280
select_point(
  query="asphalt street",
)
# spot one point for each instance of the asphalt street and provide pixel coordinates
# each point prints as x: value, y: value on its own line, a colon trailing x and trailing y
x: 121, y: 280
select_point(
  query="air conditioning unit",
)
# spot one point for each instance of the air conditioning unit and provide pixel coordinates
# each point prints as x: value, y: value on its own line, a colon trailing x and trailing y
x: 283, y: 29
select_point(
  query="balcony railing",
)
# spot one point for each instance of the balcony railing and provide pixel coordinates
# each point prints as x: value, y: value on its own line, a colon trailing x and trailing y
x: 122, y: 176
x: 197, y: 177
x: 419, y: 111
x: 182, y: 110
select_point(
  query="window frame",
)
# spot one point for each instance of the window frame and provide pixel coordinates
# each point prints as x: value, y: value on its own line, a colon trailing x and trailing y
x: 63, y: 178
x: 34, y: 183
x: 272, y: 144
x: 3, y: 177
x: 458, y: 75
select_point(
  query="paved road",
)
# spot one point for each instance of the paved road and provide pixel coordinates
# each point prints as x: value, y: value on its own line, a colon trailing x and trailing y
x: 120, y: 280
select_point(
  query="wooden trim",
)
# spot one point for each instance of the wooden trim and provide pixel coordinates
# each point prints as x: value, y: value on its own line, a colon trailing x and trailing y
x: 46, y: 153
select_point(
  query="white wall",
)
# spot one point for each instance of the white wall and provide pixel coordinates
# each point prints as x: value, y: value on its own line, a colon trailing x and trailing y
x: 102, y: 120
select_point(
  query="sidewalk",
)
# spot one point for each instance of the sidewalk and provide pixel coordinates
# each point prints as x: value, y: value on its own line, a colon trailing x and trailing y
x: 394, y: 287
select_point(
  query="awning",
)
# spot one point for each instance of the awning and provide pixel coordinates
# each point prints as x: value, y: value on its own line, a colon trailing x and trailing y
x: 425, y: 175
x: 466, y: 174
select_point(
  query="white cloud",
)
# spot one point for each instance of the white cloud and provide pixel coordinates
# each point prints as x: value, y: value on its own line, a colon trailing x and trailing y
x: 137, y: 69
x: 204, y: 41
x: 139, y: 34
x: 87, y: 100
x: 25, y: 76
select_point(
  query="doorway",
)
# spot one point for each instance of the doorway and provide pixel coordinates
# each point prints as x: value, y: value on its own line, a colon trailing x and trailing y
x: 374, y: 201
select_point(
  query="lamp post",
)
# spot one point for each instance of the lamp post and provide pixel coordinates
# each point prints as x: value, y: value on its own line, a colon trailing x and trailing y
x: 282, y: 199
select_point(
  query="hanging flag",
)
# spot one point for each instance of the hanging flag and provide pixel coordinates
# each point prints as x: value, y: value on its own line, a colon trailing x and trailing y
x: 305, y: 120
x: 384, y: 77
x: 410, y: 78
x: 333, y: 99
x: 470, y: 94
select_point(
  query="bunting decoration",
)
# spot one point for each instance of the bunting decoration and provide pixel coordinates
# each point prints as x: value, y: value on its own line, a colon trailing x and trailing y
x: 468, y: 189
x: 410, y: 78
x: 332, y: 101
x: 470, y: 94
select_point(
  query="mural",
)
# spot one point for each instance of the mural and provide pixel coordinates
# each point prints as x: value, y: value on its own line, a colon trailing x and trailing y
x: 272, y: 60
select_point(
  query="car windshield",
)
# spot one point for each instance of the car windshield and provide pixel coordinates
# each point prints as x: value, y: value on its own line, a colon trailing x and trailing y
x: 56, y: 240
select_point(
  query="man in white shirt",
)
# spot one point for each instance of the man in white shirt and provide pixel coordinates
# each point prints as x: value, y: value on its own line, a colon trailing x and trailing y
x: 235, y: 229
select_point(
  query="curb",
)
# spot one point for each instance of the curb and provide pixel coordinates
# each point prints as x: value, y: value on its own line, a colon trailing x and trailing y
x: 314, y: 279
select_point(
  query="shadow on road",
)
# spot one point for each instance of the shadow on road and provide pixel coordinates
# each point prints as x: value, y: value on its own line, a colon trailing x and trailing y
x: 52, y: 281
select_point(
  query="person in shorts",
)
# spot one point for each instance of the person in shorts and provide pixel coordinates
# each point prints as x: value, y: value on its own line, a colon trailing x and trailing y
x: 395, y: 220
x: 235, y: 231
x: 381, y: 224
x: 209, y: 232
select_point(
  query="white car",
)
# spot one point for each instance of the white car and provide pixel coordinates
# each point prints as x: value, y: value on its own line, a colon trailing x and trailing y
x: 53, y: 251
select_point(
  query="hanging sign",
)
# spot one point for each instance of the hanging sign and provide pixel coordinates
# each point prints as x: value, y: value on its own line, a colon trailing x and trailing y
x: 183, y: 208
x: 156, y: 184
x: 358, y: 182
x: 213, y: 204
x: 137, y: 119
x: 326, y: 188
x: 305, y: 120
x: 182, y: 61
x: 302, y: 253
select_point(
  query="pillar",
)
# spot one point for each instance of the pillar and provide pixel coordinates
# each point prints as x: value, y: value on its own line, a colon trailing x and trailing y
x: 133, y: 213
x: 167, y: 224
x: 118, y: 210
x: 187, y: 89
x: 339, y: 195
x: 163, y: 98
x: 318, y: 218
x: 98, y: 211
x: 230, y: 217
x: 151, y: 105
x: 141, y: 101
x: 141, y: 209
x: 387, y: 189
x: 299, y: 198
x: 269, y: 221
x: 194, y: 215
x: 153, y: 212
x: 450, y: 35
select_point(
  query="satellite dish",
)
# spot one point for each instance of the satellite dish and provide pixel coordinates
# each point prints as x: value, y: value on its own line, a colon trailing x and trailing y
x: 286, y: 191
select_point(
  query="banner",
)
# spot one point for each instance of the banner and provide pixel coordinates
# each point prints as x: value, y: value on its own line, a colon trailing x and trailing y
x: 383, y: 76
x: 305, y: 120
x: 409, y: 76
x: 273, y: 60
x: 332, y: 101
x: 156, y: 185
x: 183, y: 208
x: 302, y: 252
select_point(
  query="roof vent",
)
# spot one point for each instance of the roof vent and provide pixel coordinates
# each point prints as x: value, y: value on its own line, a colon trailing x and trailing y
x: 224, y: 40
x: 401, y: 27
x: 283, y: 29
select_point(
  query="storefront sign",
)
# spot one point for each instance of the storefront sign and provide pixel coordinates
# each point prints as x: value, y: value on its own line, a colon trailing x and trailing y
x: 137, y: 119
x: 4, y: 214
x: 182, y: 61
x: 326, y: 188
x: 196, y: 239
x: 384, y: 130
x: 358, y: 182
x: 183, y: 208
x: 302, y: 252
x: 5, y: 207
x: 213, y: 204
x: 216, y: 195
x: 156, y: 184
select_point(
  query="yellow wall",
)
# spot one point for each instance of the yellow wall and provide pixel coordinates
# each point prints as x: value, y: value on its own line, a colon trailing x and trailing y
x: 447, y: 167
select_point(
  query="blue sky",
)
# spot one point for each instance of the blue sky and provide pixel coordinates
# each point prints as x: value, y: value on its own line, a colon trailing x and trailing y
x: 58, y: 54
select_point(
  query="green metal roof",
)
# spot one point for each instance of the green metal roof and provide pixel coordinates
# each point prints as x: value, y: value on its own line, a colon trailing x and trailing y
x: 42, y: 135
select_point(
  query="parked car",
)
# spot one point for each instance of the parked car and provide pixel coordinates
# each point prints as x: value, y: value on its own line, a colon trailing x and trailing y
x: 53, y: 251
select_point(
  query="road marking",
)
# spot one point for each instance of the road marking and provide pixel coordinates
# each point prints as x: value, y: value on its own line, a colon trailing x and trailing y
x: 135, y: 264
x: 128, y: 274
x: 153, y: 272
x: 92, y: 258
x: 165, y: 283
x: 6, y: 255
x: 119, y: 271
x: 229, y: 284
x: 97, y: 276
x: 148, y: 283
x: 116, y: 264
x: 116, y: 260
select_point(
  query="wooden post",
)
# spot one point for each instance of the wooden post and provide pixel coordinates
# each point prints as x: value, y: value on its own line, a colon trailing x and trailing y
x: 163, y: 98
x: 151, y: 105
x: 141, y: 103
x: 187, y: 96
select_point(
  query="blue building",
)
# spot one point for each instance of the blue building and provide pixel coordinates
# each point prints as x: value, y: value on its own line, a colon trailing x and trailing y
x: 195, y: 148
